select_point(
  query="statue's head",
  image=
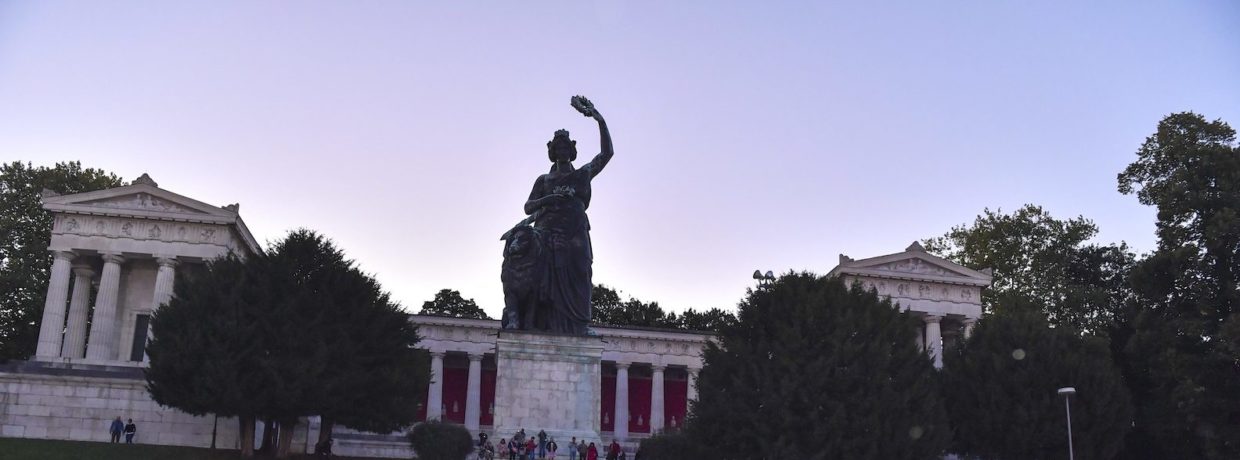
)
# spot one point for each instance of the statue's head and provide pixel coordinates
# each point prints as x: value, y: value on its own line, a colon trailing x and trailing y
x: 561, y: 147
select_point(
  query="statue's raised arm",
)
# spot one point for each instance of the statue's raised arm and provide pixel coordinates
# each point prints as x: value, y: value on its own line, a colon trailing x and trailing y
x: 599, y: 162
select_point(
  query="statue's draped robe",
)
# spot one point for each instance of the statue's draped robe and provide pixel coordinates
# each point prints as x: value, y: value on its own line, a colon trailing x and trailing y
x: 565, y: 229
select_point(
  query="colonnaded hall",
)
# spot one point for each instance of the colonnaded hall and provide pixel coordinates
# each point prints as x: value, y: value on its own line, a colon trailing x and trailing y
x: 129, y: 242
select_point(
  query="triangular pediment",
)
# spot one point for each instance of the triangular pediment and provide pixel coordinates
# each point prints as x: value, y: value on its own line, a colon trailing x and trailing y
x: 915, y: 264
x: 140, y: 199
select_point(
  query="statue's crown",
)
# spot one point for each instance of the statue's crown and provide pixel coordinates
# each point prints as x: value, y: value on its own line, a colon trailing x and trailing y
x: 561, y: 133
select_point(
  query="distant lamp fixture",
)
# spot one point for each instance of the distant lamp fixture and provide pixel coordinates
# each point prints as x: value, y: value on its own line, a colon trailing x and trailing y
x: 764, y: 279
x: 1067, y: 393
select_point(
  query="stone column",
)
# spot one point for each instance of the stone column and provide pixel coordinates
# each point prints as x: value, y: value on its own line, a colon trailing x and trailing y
x: 79, y: 312
x: 968, y: 327
x: 103, y: 327
x: 163, y: 281
x: 656, y: 399
x: 434, y: 400
x: 621, y: 425
x: 934, y: 339
x: 53, y: 325
x: 691, y: 393
x: 473, y: 394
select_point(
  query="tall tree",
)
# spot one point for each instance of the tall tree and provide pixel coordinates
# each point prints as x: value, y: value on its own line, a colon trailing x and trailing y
x: 448, y: 302
x: 25, y: 232
x: 1000, y: 387
x: 1045, y: 261
x: 298, y: 332
x: 816, y: 369
x: 1183, y: 362
x: 206, y: 343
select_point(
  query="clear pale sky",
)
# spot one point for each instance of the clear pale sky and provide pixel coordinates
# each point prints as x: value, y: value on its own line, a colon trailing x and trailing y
x: 761, y: 135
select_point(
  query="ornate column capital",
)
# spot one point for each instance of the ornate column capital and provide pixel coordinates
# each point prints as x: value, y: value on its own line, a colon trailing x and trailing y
x: 932, y: 318
x: 112, y: 258
x: 63, y: 255
x: 694, y: 371
x: 83, y: 271
x: 623, y: 365
x: 166, y: 261
x: 475, y: 357
x: 969, y: 321
x: 658, y: 367
x: 437, y: 354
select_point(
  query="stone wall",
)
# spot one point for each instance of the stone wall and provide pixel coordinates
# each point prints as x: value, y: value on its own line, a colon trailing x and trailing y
x: 43, y: 403
x: 82, y: 408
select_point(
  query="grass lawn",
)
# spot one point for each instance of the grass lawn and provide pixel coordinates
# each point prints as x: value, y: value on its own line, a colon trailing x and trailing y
x: 42, y: 449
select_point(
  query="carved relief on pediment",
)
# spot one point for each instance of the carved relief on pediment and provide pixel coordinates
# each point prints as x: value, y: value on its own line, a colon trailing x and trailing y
x: 919, y: 290
x: 141, y: 202
x: 915, y: 266
x: 138, y: 229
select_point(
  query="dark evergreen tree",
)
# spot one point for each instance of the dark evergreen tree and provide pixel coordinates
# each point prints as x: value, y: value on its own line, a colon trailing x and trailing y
x: 206, y: 343
x: 448, y: 302
x: 25, y: 232
x: 295, y: 333
x: 817, y: 369
x: 1000, y: 387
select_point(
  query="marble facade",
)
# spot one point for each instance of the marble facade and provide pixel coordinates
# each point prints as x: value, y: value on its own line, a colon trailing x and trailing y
x: 116, y: 253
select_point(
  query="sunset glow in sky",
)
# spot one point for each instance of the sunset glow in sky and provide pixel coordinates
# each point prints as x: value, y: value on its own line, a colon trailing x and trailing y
x: 755, y: 135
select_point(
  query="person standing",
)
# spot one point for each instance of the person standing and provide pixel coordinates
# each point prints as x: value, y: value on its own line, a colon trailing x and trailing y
x: 572, y: 449
x: 542, y: 444
x: 130, y: 430
x: 592, y: 452
x: 115, y: 430
x: 551, y: 448
x: 531, y: 448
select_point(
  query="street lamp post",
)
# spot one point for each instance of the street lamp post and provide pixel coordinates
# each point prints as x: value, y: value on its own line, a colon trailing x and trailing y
x: 1067, y: 392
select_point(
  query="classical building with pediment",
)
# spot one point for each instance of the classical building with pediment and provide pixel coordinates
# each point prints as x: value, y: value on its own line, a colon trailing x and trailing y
x: 115, y: 256
x: 946, y: 296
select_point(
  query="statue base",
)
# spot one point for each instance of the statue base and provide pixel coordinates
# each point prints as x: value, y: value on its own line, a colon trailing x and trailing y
x: 548, y: 382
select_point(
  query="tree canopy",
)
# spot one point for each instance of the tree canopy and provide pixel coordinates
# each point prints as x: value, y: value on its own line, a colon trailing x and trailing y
x: 1182, y: 360
x: 609, y: 309
x: 448, y: 302
x: 25, y: 232
x: 1048, y: 262
x: 817, y: 369
x: 297, y: 332
x: 1000, y: 387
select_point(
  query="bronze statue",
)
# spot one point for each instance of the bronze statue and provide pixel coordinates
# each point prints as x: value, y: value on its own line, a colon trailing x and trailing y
x: 547, y: 271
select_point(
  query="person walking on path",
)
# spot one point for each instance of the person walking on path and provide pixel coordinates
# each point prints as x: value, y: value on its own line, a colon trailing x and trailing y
x: 592, y: 452
x: 613, y: 451
x: 551, y: 448
x: 130, y: 430
x: 542, y: 444
x: 572, y: 449
x: 115, y: 430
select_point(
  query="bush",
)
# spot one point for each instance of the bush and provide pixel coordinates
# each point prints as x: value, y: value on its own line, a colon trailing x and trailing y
x: 670, y: 446
x: 436, y: 440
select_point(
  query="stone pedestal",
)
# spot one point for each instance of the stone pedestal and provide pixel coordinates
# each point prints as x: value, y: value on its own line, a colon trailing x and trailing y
x: 548, y: 382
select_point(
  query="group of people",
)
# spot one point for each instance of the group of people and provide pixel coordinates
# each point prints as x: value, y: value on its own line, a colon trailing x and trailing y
x: 118, y: 427
x: 540, y: 447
